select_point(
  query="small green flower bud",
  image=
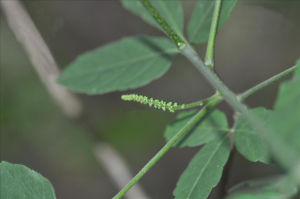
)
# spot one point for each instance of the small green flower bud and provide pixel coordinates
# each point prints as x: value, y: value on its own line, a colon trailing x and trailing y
x: 155, y: 103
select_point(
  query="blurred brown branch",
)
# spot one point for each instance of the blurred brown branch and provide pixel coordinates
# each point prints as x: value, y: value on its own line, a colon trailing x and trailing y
x: 40, y: 56
x: 43, y: 62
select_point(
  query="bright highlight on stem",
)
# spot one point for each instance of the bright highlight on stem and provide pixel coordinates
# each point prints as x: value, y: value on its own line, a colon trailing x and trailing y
x: 165, y: 26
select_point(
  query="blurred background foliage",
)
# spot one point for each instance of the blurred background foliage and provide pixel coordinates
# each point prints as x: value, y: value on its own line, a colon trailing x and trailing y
x: 260, y: 39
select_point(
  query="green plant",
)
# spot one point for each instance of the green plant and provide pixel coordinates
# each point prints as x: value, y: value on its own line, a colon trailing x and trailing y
x: 22, y: 182
x: 258, y: 134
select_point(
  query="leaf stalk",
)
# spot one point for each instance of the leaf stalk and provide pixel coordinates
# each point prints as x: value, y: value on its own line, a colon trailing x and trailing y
x: 167, y: 146
x: 267, y: 82
x: 277, y: 146
x: 210, y: 50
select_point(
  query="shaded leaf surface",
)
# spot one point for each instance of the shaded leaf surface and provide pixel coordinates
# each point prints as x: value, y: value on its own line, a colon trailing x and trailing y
x: 250, y: 143
x: 283, y: 125
x: 284, y: 122
x: 170, y: 10
x: 18, y: 182
x: 199, y: 25
x: 271, y: 188
x: 204, y: 171
x: 286, y: 116
x: 125, y: 64
x: 212, y: 126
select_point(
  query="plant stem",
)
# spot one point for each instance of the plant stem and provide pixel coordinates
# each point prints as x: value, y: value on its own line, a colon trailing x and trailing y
x: 42, y: 60
x: 244, y: 95
x: 165, y: 26
x: 281, y: 152
x: 267, y: 82
x: 199, y: 103
x: 189, y: 53
x: 167, y: 146
x: 209, y: 56
x: 228, y: 95
x: 213, y: 101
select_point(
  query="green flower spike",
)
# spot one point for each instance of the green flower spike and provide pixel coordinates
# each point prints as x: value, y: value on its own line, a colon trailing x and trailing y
x: 158, y: 104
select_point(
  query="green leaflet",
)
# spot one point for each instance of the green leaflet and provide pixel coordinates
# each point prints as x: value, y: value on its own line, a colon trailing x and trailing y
x: 249, y: 143
x: 125, y: 64
x: 18, y: 182
x: 283, y: 124
x: 170, y: 10
x: 200, y: 22
x: 210, y: 127
x: 279, y: 187
x: 286, y: 116
x: 204, y: 171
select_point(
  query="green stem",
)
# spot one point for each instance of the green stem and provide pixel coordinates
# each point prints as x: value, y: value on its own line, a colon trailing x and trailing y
x: 165, y: 26
x: 213, y: 101
x: 267, y: 82
x: 209, y: 56
x: 199, y: 103
x: 281, y: 152
x: 228, y: 95
x: 244, y: 95
x: 167, y: 146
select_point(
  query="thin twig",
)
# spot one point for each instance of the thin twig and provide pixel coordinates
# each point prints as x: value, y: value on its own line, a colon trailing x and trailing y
x: 209, y: 56
x: 267, y: 82
x: 279, y: 149
x: 43, y: 62
x: 281, y: 152
x: 156, y: 158
x: 167, y: 146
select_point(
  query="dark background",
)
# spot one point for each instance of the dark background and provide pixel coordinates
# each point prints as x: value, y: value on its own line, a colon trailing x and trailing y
x: 260, y: 39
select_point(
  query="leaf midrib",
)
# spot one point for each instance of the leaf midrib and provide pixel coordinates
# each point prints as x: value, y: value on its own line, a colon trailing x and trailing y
x: 201, y: 21
x: 121, y: 63
x: 205, y: 166
x: 167, y: 12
